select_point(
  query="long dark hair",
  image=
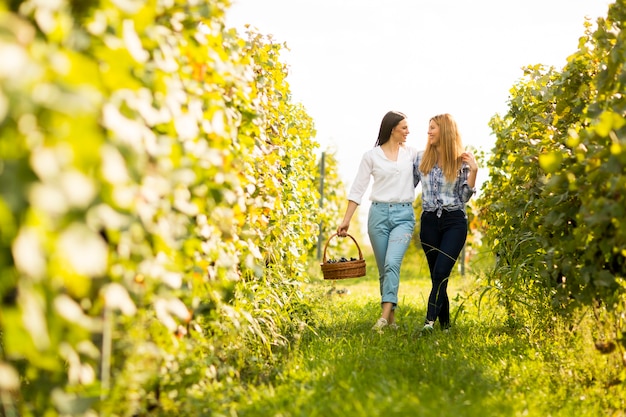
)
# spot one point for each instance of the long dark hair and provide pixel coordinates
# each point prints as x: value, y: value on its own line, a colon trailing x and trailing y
x: 391, y: 120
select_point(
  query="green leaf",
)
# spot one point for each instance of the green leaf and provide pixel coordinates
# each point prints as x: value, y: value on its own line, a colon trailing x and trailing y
x: 551, y: 162
x: 608, y: 122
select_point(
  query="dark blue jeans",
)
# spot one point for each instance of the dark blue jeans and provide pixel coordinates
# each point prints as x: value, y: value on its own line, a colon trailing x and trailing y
x: 442, y: 240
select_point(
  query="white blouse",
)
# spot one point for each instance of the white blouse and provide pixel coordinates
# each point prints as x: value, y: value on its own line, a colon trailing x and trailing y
x: 393, y: 180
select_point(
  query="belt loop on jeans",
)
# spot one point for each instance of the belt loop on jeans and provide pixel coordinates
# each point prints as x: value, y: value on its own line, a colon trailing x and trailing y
x: 376, y: 203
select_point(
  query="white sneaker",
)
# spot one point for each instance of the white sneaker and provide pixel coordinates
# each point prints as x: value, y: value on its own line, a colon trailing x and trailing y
x: 379, y: 325
x: 428, y: 327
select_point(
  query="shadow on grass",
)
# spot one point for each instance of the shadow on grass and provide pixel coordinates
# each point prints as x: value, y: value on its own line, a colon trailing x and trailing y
x: 343, y: 368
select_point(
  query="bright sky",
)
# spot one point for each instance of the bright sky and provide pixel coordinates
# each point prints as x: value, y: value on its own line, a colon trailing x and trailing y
x: 351, y: 61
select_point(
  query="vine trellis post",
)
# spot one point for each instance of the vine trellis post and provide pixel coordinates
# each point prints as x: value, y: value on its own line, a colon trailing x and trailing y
x: 320, y: 237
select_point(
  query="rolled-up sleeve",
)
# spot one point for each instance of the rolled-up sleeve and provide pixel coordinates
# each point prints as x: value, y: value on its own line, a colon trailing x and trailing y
x: 466, y: 191
x: 417, y: 176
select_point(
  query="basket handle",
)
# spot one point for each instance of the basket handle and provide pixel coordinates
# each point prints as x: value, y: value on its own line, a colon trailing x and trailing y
x: 350, y: 236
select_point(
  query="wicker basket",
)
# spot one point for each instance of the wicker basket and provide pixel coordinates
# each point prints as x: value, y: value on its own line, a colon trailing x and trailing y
x: 342, y: 270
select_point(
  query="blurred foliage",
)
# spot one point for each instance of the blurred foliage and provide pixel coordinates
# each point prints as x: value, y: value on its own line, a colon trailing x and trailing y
x: 554, y: 209
x: 158, y: 205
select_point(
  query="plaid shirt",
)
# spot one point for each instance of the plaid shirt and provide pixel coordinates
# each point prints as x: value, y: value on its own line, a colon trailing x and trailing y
x: 439, y: 194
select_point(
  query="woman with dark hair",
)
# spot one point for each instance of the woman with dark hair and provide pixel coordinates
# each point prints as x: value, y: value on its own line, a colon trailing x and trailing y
x: 448, y: 177
x: 391, y: 218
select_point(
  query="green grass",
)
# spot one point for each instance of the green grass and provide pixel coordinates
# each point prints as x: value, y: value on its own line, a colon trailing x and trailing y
x: 480, y: 368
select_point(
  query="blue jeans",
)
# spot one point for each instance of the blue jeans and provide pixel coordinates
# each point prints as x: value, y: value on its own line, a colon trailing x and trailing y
x: 442, y: 239
x: 390, y: 228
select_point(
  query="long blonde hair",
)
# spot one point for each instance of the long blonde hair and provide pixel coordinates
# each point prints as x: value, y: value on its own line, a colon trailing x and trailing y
x: 451, y: 144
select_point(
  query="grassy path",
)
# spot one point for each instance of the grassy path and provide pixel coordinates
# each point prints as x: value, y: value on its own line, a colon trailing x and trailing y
x: 480, y: 368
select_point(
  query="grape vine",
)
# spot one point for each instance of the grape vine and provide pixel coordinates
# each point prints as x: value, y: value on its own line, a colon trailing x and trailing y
x: 157, y: 207
x: 554, y: 206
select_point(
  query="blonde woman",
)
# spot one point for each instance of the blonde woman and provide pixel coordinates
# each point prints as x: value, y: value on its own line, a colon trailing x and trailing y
x: 448, y: 177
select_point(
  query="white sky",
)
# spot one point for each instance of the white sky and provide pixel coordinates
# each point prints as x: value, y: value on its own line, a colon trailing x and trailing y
x: 351, y: 61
